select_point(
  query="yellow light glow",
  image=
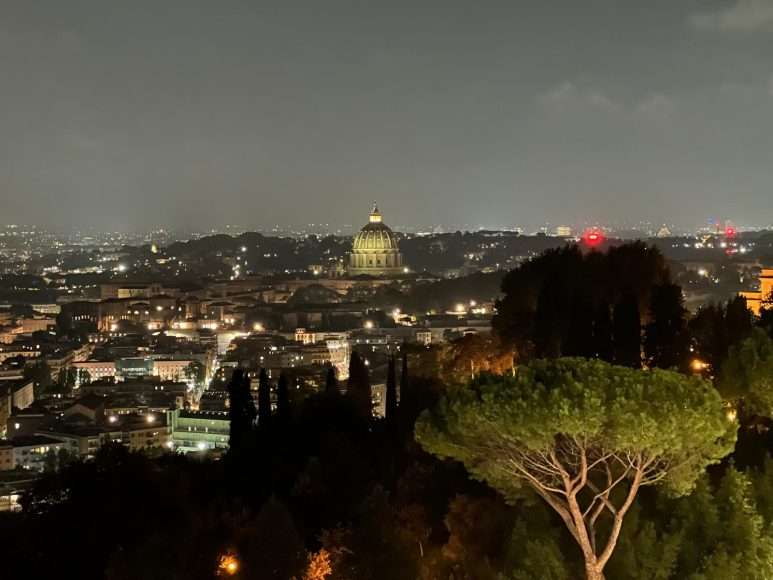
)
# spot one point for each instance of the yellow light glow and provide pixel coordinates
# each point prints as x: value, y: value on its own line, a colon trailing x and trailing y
x: 368, y: 324
x: 229, y: 564
x: 698, y: 365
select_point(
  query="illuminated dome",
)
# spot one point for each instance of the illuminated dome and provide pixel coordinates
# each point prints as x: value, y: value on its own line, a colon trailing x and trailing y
x: 375, y: 251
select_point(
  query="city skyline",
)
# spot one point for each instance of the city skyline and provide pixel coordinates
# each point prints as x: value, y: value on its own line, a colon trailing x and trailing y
x: 126, y: 118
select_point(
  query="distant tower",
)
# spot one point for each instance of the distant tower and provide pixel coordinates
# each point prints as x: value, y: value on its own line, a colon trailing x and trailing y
x: 375, y: 251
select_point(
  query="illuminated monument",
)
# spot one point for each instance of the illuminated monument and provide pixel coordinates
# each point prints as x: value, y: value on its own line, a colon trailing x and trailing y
x: 375, y: 251
x: 763, y: 298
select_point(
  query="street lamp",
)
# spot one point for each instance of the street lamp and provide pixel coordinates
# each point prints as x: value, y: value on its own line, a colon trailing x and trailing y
x: 228, y: 565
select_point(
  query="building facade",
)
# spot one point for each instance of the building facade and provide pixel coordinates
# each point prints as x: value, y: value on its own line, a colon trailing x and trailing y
x: 763, y: 298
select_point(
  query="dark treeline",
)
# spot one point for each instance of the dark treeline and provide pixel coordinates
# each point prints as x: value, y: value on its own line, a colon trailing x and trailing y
x: 620, y: 306
x: 567, y: 302
x: 318, y: 488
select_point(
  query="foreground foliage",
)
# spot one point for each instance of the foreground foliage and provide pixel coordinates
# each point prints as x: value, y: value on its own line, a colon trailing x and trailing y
x: 585, y: 436
x: 326, y: 494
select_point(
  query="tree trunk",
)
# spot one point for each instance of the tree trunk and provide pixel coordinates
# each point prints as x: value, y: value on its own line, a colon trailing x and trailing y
x: 592, y: 573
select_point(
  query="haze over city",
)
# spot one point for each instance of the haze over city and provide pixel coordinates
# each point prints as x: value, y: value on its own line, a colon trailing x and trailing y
x: 194, y: 114
x: 356, y: 290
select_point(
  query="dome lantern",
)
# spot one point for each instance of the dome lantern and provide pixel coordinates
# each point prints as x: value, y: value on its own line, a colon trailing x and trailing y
x: 375, y: 215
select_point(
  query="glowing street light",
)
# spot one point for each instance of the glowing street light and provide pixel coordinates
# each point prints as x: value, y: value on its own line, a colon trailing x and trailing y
x: 593, y: 237
x: 228, y: 564
x: 368, y: 324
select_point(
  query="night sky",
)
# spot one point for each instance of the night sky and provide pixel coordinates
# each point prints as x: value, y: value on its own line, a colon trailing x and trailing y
x: 188, y: 113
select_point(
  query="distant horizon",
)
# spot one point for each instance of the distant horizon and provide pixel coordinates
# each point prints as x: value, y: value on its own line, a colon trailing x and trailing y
x: 348, y: 230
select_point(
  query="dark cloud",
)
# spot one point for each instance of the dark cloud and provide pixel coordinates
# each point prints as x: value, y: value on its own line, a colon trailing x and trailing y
x: 189, y: 113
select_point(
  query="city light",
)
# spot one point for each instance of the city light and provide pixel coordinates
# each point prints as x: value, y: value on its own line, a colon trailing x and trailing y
x: 228, y: 564
x: 588, y: 293
x: 593, y: 237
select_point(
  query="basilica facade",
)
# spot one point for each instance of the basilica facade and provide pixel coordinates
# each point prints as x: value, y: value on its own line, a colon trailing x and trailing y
x: 375, y: 251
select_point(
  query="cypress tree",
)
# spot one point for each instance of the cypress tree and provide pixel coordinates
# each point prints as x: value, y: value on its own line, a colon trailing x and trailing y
x: 358, y: 387
x: 404, y: 374
x: 665, y: 337
x: 626, y: 327
x: 241, y: 408
x: 548, y: 323
x: 739, y: 320
x: 283, y: 399
x: 331, y: 381
x: 602, y: 332
x: 579, y: 340
x: 264, y: 399
x: 391, y: 394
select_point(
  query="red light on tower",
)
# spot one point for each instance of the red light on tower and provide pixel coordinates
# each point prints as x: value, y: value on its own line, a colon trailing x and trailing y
x: 593, y: 237
x: 729, y: 232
